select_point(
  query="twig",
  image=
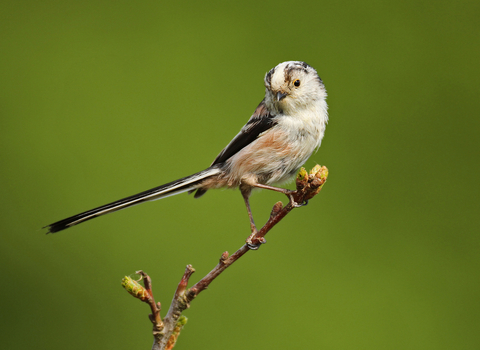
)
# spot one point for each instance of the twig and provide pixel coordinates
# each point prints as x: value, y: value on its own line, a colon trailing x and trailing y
x: 166, y: 333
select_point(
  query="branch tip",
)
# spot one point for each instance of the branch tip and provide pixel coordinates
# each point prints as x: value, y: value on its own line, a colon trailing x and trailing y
x: 147, y: 281
x: 135, y: 289
x: 316, y: 169
x: 182, y: 286
x: 302, y: 174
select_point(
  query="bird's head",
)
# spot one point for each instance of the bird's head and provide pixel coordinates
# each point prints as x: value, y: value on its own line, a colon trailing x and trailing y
x: 292, y: 85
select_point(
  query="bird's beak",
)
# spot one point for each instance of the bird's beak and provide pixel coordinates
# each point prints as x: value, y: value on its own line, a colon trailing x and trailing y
x: 281, y: 95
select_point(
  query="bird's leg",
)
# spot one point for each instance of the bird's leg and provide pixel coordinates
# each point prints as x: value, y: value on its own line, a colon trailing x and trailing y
x: 288, y: 193
x: 246, y: 194
x: 253, y: 228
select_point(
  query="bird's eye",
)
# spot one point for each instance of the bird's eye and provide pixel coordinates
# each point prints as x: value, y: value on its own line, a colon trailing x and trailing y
x: 296, y: 83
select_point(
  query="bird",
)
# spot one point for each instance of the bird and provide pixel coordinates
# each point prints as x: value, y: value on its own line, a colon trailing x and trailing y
x: 286, y: 128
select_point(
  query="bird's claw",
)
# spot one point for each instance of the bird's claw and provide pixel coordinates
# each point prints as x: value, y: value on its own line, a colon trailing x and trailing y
x: 298, y: 205
x: 255, y: 246
x: 252, y: 246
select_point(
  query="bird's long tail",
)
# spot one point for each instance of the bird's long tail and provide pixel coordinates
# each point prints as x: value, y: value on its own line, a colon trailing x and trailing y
x: 179, y: 186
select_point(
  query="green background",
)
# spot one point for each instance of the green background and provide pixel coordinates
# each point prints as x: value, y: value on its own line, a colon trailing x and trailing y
x: 100, y: 100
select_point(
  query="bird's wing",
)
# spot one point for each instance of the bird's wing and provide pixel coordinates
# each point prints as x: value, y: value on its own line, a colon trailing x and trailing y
x: 260, y: 121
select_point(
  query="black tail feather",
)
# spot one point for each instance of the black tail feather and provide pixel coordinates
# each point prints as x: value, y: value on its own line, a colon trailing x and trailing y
x: 179, y: 186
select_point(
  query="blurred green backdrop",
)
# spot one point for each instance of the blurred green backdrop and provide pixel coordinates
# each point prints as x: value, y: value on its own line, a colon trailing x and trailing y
x: 102, y: 99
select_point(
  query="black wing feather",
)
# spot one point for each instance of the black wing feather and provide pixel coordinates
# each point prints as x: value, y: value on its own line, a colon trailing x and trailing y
x: 260, y: 121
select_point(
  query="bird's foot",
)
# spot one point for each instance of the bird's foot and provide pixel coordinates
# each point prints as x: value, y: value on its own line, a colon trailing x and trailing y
x: 255, y: 246
x: 259, y: 241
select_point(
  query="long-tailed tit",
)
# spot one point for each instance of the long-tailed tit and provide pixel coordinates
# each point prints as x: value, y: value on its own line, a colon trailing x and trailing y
x: 285, y: 129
